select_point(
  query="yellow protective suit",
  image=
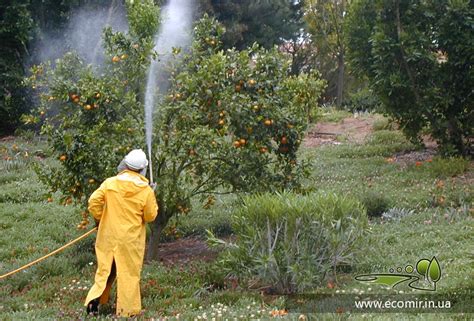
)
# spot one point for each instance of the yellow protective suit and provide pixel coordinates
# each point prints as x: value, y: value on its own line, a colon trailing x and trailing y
x: 122, y: 204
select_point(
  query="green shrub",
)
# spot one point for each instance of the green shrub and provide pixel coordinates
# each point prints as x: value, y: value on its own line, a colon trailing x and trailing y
x: 396, y: 214
x: 387, y: 137
x: 291, y: 241
x: 447, y: 167
x: 333, y: 115
x: 365, y: 151
x: 375, y: 203
x: 383, y: 123
x: 22, y: 191
x: 362, y: 100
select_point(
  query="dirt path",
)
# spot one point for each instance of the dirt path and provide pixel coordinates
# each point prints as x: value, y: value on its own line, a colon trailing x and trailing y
x: 353, y: 130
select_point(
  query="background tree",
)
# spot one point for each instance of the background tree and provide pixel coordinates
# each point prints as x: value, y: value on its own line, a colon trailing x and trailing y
x: 417, y: 56
x: 325, y: 24
x: 267, y: 22
x: 15, y: 33
x: 24, y: 25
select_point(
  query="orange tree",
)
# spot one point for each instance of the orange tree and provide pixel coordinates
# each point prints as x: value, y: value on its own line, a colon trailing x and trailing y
x: 93, y: 116
x: 231, y: 121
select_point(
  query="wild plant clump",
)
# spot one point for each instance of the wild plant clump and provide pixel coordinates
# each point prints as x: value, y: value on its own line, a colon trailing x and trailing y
x: 289, y: 242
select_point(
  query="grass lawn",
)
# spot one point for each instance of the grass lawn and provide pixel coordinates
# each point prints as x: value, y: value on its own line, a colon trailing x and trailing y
x: 429, y: 202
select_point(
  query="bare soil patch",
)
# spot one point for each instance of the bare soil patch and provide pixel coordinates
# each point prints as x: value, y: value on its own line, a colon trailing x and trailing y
x: 352, y: 130
x: 184, y: 251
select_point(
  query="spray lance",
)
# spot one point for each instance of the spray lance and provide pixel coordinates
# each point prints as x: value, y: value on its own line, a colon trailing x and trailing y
x: 150, y: 167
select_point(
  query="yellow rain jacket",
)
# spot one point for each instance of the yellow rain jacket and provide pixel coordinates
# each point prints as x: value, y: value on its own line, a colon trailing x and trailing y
x: 123, y: 204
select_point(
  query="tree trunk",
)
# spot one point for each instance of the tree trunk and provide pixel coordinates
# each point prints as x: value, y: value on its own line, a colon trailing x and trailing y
x: 455, y: 137
x: 340, y: 79
x: 156, y: 229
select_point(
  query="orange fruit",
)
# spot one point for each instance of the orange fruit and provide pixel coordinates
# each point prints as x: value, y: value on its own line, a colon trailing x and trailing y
x: 263, y: 150
x: 238, y: 88
x: 91, y: 181
x: 255, y: 108
x: 87, y: 107
x: 283, y: 149
x: 242, y: 141
x: 268, y: 122
x: 115, y: 59
x: 221, y: 122
x: 124, y: 56
x: 50, y: 199
x: 236, y: 144
x: 284, y: 140
x: 97, y: 95
x: 42, y: 113
x: 62, y: 158
x: 252, y: 82
x: 75, y: 99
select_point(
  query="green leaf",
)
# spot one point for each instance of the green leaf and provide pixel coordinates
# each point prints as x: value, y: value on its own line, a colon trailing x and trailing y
x: 434, y: 270
x: 422, y: 267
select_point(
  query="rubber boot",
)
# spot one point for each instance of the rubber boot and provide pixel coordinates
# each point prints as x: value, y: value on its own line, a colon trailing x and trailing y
x: 93, y: 307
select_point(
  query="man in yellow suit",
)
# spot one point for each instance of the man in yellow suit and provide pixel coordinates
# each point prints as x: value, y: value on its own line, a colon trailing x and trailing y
x: 121, y: 206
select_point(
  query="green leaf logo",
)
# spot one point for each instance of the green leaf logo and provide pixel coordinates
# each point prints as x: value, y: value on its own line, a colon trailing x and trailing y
x: 434, y: 271
x: 422, y: 267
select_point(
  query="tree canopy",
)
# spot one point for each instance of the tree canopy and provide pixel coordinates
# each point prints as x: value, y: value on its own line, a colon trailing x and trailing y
x: 266, y: 22
x: 418, y: 57
x: 16, y: 25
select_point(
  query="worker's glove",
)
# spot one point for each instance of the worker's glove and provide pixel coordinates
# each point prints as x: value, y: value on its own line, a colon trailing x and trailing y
x: 153, y: 186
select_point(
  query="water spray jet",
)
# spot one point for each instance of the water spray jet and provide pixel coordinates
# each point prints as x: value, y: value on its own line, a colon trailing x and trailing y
x: 175, y: 31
